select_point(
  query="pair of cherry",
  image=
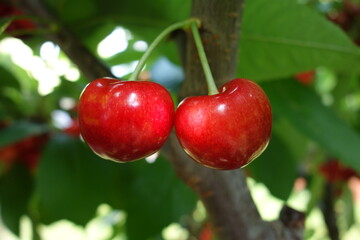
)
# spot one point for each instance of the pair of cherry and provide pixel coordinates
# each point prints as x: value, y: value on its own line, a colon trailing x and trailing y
x: 129, y: 120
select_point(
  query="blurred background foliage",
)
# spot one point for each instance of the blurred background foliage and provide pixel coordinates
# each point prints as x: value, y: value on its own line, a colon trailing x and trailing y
x: 304, y: 54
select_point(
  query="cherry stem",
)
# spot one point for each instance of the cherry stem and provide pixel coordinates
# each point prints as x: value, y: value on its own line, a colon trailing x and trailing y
x: 155, y: 43
x: 212, y: 89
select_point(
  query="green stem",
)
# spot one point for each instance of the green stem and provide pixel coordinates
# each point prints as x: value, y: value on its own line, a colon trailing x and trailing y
x: 34, y: 225
x: 212, y: 89
x: 153, y: 45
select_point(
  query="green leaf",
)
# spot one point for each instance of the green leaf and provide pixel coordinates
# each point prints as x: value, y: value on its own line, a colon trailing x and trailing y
x: 285, y: 38
x: 74, y: 11
x: 11, y: 99
x: 304, y: 109
x: 19, y: 130
x: 146, y: 15
x: 347, y: 218
x: 15, y: 191
x: 316, y: 188
x: 73, y: 181
x: 4, y: 23
x: 27, y: 83
x: 158, y: 198
x: 295, y: 141
x: 276, y: 168
x: 28, y: 88
x: 145, y: 18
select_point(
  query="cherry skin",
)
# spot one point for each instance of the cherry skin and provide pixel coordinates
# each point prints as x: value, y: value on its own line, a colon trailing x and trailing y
x: 125, y: 121
x: 306, y: 78
x: 226, y: 130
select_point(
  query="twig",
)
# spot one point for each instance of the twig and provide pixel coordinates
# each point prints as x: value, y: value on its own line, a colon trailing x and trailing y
x: 328, y: 211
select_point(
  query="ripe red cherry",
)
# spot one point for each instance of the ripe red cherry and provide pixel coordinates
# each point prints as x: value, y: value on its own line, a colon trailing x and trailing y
x: 125, y: 120
x: 226, y: 130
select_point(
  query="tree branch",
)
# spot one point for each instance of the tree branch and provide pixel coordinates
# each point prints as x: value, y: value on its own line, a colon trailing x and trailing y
x: 224, y: 194
x: 328, y: 211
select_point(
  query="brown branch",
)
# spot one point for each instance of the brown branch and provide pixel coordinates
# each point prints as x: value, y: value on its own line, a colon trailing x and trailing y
x: 224, y: 194
x: 328, y: 211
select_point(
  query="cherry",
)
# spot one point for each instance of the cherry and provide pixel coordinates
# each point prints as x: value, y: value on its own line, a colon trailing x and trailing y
x: 18, y: 27
x: 125, y: 120
x: 206, y: 233
x: 227, y: 130
x: 30, y: 149
x: 27, y: 151
x: 334, y: 171
x: 8, y: 155
x: 306, y: 78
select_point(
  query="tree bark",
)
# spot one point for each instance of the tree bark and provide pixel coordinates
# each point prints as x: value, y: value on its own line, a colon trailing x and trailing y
x: 220, y: 22
x: 327, y: 207
x: 225, y: 194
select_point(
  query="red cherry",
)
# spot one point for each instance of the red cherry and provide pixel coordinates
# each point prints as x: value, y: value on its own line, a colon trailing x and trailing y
x: 31, y: 159
x: 206, y: 233
x: 8, y: 154
x: 125, y: 120
x: 26, y: 151
x: 17, y: 26
x: 30, y: 149
x: 227, y: 130
x: 73, y: 130
x: 334, y: 171
x: 306, y: 78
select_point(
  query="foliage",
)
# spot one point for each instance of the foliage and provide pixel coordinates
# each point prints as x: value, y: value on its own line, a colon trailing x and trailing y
x: 312, y: 123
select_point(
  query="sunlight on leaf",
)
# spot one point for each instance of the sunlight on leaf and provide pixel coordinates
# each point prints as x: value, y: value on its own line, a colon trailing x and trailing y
x: 4, y: 23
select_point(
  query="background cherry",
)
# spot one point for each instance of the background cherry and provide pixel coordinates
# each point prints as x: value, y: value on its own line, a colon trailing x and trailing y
x: 19, y: 28
x: 306, y: 78
x: 334, y: 171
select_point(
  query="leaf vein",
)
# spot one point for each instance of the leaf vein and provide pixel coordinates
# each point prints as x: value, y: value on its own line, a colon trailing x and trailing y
x: 300, y: 43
